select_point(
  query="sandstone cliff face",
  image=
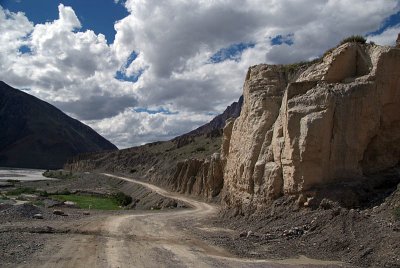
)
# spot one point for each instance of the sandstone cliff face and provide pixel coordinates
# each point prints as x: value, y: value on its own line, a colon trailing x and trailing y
x: 201, y: 177
x: 185, y: 169
x: 338, y: 119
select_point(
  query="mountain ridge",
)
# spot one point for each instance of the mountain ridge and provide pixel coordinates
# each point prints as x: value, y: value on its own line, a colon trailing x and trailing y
x: 35, y: 134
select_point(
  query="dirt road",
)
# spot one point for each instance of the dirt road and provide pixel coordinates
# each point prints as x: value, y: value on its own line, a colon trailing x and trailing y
x: 152, y: 239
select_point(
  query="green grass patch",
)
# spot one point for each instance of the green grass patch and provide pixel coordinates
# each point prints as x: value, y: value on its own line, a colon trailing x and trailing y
x: 89, y: 201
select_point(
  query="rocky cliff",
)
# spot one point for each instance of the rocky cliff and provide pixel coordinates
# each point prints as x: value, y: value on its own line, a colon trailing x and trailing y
x: 194, y: 168
x: 337, y: 120
x: 199, y: 177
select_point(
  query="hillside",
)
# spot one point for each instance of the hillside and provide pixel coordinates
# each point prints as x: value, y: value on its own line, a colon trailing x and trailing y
x: 35, y: 134
x: 214, y: 127
x: 170, y: 163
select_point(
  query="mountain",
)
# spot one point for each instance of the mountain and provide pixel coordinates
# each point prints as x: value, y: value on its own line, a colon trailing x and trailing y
x: 218, y: 122
x: 214, y: 127
x: 35, y: 134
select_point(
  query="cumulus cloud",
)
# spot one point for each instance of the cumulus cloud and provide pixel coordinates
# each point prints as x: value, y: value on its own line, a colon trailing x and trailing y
x: 191, y: 57
x: 105, y: 106
x: 144, y: 127
x: 387, y: 37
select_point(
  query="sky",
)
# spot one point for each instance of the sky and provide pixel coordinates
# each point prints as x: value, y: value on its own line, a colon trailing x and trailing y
x: 138, y: 71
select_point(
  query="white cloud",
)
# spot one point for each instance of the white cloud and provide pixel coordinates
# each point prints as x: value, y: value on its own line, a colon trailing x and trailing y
x: 144, y: 127
x: 387, y: 37
x: 174, y: 41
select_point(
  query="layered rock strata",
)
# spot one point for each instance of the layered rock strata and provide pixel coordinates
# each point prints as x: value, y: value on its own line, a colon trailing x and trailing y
x: 339, y: 119
x: 201, y: 177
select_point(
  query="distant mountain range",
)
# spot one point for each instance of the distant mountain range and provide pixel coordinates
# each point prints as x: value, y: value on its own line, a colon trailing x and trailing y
x: 214, y: 127
x: 35, y: 134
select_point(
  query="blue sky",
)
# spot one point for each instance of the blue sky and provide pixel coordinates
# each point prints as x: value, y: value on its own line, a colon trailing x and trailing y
x: 96, y: 15
x: 100, y: 16
x: 390, y: 21
x: 167, y: 67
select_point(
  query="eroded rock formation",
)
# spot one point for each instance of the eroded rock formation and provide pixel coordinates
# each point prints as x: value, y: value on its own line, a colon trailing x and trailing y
x: 338, y: 119
x: 201, y: 177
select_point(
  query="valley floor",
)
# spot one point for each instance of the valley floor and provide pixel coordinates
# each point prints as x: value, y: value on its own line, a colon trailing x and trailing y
x: 162, y: 238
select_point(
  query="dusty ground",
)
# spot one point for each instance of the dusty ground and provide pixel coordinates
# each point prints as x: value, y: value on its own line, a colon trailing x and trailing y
x: 162, y: 238
x: 365, y: 234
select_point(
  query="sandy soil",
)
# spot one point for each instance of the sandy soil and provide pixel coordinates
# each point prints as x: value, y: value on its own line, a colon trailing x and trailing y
x: 145, y: 239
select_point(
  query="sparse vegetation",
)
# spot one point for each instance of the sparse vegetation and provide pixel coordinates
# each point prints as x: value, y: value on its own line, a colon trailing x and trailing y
x: 64, y: 192
x: 26, y: 190
x: 396, y: 213
x: 58, y: 174
x: 44, y: 194
x: 354, y: 38
x: 200, y: 149
x: 327, y: 52
x: 288, y: 68
x: 3, y: 198
x: 122, y: 199
x: 22, y: 190
x: 39, y: 203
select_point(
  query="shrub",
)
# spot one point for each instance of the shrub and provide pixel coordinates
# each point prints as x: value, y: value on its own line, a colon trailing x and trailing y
x: 133, y: 170
x: 122, y: 199
x: 289, y: 68
x: 64, y: 192
x: 58, y: 174
x: 44, y: 194
x: 23, y: 190
x: 327, y: 52
x: 38, y: 203
x: 200, y: 149
x: 354, y: 38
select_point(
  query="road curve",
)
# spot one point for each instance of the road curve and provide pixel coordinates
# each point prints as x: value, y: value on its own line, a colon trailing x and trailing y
x: 153, y: 239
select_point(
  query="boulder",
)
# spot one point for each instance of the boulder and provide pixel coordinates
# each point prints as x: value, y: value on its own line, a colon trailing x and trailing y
x: 70, y: 204
x: 58, y: 212
x: 38, y: 216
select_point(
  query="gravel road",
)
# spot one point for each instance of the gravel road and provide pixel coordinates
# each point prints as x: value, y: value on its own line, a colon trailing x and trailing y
x: 148, y: 239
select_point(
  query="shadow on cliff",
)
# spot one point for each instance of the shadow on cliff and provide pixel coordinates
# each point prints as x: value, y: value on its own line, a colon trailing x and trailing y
x: 363, y: 193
